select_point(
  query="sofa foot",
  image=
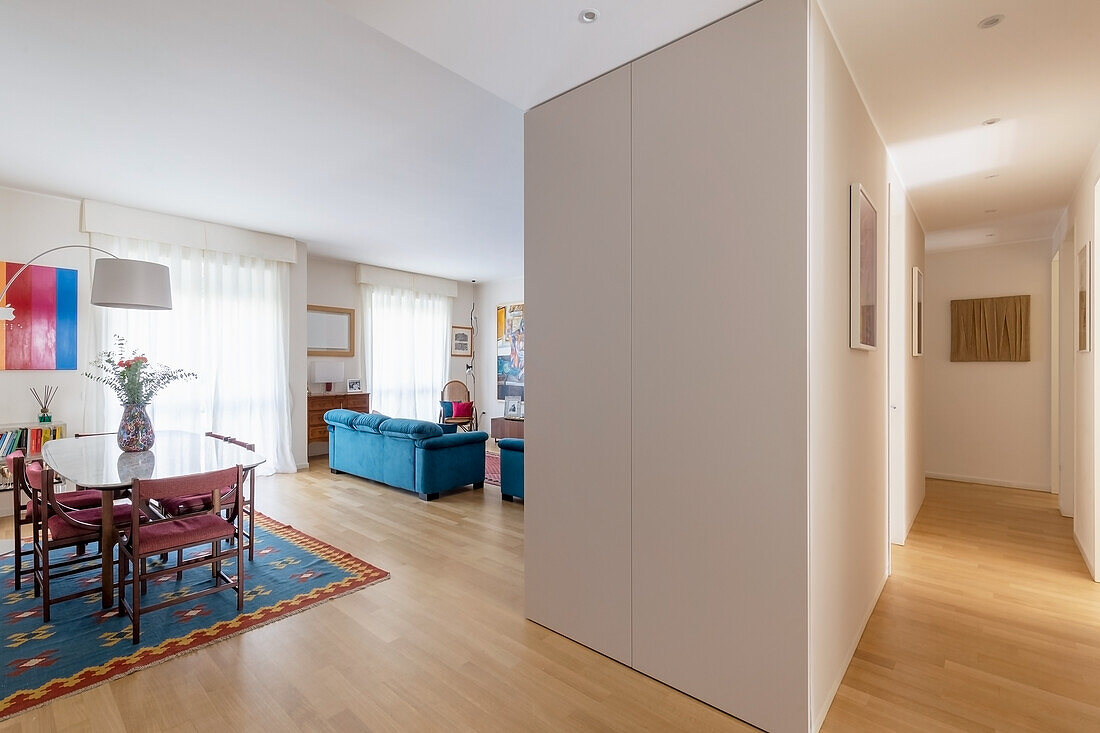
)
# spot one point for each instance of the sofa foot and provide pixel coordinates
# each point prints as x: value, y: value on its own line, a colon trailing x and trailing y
x: 505, y: 497
x: 333, y: 470
x: 479, y: 485
x: 428, y: 497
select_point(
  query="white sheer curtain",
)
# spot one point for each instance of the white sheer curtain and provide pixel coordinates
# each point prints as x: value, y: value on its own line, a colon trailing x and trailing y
x: 409, y: 350
x: 229, y: 324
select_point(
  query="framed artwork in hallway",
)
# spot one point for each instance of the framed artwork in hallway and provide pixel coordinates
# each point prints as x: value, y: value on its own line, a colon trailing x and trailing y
x: 863, y: 260
x: 1084, y: 298
x: 918, y: 312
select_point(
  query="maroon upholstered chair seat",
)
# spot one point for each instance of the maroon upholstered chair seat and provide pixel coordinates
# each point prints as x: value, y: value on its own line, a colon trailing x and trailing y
x: 195, y: 530
x: 61, y: 530
x: 75, y: 499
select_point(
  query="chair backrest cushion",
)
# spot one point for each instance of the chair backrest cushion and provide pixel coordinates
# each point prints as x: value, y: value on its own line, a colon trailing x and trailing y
x: 462, y: 409
x: 199, y: 484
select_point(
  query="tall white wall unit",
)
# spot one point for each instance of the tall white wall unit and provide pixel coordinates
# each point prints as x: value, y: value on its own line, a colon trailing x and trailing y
x: 707, y: 475
x: 665, y: 277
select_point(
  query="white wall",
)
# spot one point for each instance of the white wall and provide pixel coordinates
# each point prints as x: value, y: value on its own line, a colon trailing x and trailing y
x: 1082, y: 214
x: 335, y: 283
x: 1067, y: 377
x: 29, y: 224
x: 848, y: 540
x: 488, y: 296
x: 988, y: 422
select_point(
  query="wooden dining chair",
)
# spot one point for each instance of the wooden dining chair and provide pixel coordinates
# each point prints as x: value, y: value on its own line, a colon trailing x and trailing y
x: 57, y: 525
x: 181, y: 506
x: 26, y: 487
x: 138, y: 541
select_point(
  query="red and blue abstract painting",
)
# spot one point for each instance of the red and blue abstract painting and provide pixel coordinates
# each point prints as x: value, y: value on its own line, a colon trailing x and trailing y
x: 43, y: 334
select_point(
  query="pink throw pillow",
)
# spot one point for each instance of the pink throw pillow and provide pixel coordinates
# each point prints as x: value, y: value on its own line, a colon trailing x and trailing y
x: 463, y: 409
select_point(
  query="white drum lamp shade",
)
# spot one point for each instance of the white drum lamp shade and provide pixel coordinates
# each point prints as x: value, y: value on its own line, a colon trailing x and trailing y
x: 119, y: 283
x: 327, y: 372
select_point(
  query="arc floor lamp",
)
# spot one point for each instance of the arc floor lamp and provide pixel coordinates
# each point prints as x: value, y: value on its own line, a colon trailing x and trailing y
x: 116, y: 282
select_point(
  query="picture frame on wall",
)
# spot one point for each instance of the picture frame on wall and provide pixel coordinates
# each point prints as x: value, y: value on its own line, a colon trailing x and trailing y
x: 863, y: 276
x: 918, y: 312
x: 462, y: 341
x: 1084, y: 298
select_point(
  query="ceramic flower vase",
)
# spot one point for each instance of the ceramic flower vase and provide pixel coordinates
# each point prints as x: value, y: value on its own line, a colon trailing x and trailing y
x: 135, y: 432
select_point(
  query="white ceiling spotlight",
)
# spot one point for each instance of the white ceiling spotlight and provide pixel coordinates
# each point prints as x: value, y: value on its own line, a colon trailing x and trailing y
x: 991, y: 22
x: 991, y: 121
x: 589, y: 15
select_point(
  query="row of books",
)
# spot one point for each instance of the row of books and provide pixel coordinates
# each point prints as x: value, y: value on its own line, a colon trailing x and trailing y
x: 29, y: 438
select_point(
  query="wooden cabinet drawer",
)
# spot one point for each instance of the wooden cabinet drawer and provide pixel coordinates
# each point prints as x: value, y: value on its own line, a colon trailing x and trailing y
x: 318, y: 405
x: 317, y: 434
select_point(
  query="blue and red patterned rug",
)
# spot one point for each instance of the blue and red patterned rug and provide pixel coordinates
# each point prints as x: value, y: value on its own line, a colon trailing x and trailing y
x: 492, y: 468
x: 84, y: 646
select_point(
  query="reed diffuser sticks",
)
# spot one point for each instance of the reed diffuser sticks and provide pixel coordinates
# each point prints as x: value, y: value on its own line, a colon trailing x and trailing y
x: 44, y: 399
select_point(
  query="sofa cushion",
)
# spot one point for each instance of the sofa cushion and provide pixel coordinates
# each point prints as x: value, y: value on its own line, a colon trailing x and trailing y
x: 370, y: 423
x: 345, y: 418
x: 410, y: 429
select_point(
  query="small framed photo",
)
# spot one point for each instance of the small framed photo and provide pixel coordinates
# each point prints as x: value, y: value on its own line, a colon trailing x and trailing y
x: 513, y: 407
x: 863, y: 275
x: 355, y: 385
x: 462, y: 341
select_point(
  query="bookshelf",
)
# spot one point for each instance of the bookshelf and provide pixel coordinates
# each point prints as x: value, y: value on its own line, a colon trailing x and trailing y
x: 24, y: 440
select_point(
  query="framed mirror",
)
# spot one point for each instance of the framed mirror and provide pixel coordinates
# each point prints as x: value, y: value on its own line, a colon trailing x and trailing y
x: 330, y: 331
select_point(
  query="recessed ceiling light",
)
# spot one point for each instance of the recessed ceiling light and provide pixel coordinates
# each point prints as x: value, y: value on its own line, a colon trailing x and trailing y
x: 991, y: 211
x: 989, y: 235
x: 990, y: 22
x: 991, y: 121
x: 589, y: 15
x: 993, y: 175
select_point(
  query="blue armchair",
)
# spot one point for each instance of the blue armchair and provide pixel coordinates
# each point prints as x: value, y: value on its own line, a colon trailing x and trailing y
x: 511, y: 468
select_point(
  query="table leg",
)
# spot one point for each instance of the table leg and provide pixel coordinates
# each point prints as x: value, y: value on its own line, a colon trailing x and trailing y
x: 107, y: 547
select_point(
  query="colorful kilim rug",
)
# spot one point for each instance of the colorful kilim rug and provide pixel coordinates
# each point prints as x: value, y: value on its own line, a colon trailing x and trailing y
x: 84, y: 646
x: 492, y: 468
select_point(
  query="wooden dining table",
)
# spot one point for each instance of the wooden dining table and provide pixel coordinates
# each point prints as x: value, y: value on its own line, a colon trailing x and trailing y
x: 96, y: 462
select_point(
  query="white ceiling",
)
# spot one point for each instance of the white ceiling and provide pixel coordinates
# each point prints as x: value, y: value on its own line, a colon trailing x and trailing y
x: 930, y: 77
x: 527, y: 51
x: 277, y: 115
x: 364, y: 128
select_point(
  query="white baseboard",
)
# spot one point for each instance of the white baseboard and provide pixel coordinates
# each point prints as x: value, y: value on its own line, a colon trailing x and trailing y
x: 819, y: 715
x: 1084, y: 555
x: 988, y: 481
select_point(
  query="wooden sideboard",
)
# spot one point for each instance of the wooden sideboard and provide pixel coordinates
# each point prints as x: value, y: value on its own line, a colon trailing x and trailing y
x: 319, y: 404
x: 503, y: 427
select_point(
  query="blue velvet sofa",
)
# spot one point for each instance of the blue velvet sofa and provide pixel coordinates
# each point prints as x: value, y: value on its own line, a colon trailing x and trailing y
x: 410, y: 454
x: 511, y: 468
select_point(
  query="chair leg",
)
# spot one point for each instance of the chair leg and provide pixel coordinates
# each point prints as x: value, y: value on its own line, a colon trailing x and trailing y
x: 123, y: 571
x: 135, y: 602
x: 144, y: 570
x: 179, y: 561
x: 240, y: 570
x: 45, y: 581
x: 18, y: 547
x: 215, y: 565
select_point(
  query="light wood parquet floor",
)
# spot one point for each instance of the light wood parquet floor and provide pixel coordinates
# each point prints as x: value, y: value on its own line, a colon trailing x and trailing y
x: 441, y: 646
x: 989, y: 622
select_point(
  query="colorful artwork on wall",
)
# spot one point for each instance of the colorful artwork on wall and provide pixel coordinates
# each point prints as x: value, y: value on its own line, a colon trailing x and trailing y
x: 43, y: 334
x: 510, y: 356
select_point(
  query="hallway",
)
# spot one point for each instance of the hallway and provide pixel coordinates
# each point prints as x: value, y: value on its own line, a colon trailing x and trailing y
x: 989, y: 621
